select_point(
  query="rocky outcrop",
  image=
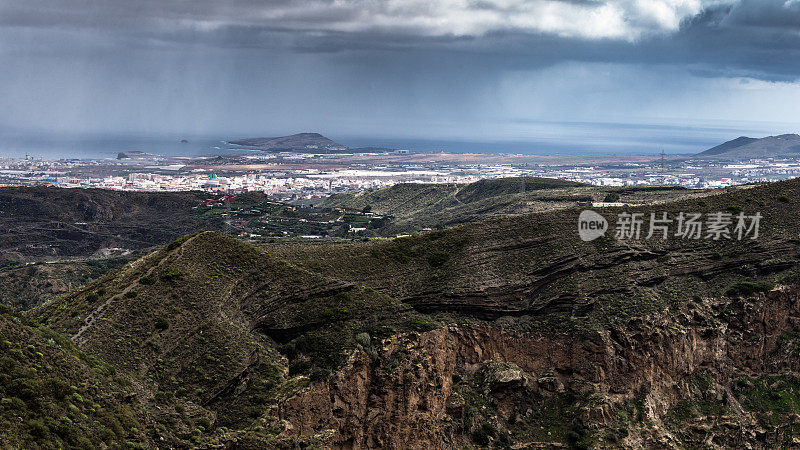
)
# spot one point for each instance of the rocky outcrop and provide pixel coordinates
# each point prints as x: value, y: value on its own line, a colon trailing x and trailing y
x: 416, y: 389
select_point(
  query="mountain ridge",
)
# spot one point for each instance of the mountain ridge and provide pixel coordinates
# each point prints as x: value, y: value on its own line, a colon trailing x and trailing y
x: 507, y: 331
x: 743, y: 147
x: 729, y: 145
x: 415, y: 206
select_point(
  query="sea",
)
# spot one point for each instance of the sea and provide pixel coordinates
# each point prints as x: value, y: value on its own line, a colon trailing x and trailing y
x: 573, y: 139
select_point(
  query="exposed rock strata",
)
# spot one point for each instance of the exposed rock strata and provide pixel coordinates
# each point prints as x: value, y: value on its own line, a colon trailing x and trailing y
x: 407, y: 396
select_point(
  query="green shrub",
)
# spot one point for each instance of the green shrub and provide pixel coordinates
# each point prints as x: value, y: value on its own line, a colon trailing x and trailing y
x: 171, y: 274
x: 174, y: 244
x: 63, y: 428
x: 335, y: 313
x: 611, y: 198
x: 319, y: 349
x: 6, y: 364
x: 161, y: 324
x: 60, y: 388
x: 13, y: 403
x: 420, y: 325
x: 364, y: 340
x: 147, y: 280
x: 105, y: 435
x: 37, y: 428
x: 575, y: 437
x: 772, y: 395
x: 400, y: 249
x: 378, y: 332
x: 483, y: 434
x: 27, y: 388
x: 131, y: 294
x: 747, y: 288
x: 783, y: 199
x: 204, y: 422
x: 438, y: 257
x: 319, y: 374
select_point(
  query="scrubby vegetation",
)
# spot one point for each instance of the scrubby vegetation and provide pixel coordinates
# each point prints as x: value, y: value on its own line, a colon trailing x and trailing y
x: 747, y: 288
x: 52, y: 394
x: 415, y: 207
x: 218, y: 333
x: 103, y: 219
x: 28, y: 285
x: 173, y: 327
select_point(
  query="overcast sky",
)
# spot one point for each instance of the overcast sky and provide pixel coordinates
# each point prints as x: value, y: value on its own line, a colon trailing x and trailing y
x: 449, y: 69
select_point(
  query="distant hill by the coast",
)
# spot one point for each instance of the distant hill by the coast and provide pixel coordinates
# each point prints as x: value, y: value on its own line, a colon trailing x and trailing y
x: 784, y: 145
x: 302, y: 142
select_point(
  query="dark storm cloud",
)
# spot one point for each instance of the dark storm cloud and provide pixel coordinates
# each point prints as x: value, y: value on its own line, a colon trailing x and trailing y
x: 751, y: 38
x: 759, y: 38
x: 765, y: 14
x: 289, y: 65
x: 617, y: 19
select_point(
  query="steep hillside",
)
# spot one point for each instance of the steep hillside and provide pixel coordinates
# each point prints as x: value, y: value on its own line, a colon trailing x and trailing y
x: 711, y: 372
x: 413, y: 207
x: 742, y: 148
x: 536, y: 263
x: 483, y: 189
x: 407, y: 199
x: 728, y: 146
x: 203, y: 318
x: 53, y: 223
x: 27, y: 285
x: 507, y: 332
x: 54, y: 395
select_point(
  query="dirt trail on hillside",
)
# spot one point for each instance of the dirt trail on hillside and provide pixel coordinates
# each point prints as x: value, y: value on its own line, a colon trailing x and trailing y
x: 91, y: 318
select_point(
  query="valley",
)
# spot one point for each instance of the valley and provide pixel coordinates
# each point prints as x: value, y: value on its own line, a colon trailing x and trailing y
x: 404, y: 224
x: 505, y: 330
x: 57, y: 239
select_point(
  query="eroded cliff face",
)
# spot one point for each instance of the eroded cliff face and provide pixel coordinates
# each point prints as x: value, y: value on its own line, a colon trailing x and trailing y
x: 712, y: 372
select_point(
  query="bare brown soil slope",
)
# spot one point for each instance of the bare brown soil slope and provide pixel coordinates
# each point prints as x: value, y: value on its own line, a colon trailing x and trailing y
x: 43, y: 223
